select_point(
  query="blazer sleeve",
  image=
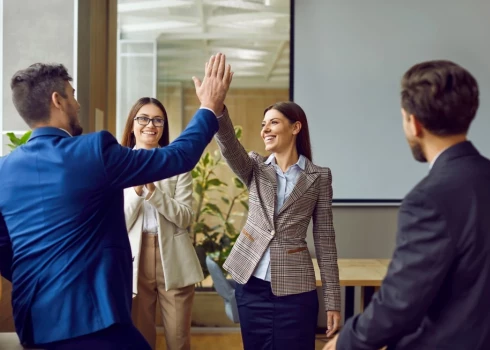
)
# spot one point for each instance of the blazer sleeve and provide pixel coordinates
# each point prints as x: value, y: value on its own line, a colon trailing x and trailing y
x: 6, y: 253
x: 232, y: 150
x: 125, y: 167
x: 177, y: 210
x: 325, y: 246
x: 423, y: 254
x: 132, y: 206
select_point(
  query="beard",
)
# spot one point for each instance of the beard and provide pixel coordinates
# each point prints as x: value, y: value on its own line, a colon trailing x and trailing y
x: 417, y: 152
x: 76, y: 128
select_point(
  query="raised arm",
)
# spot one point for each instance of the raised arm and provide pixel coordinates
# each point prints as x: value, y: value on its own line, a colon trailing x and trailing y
x: 126, y: 168
x: 325, y: 247
x: 232, y: 150
x: 6, y: 253
x: 177, y: 210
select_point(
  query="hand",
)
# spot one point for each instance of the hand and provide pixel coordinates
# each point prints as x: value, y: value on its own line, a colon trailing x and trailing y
x: 138, y: 190
x: 333, y: 322
x: 217, y: 79
x: 332, y: 344
x: 151, y: 188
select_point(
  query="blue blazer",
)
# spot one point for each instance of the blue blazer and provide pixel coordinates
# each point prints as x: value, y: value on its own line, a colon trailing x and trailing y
x: 63, y: 238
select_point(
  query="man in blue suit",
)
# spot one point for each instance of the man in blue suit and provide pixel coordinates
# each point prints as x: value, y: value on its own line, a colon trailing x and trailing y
x: 63, y: 239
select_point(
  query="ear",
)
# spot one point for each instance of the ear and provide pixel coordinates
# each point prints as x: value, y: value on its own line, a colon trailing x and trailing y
x: 296, y: 128
x: 56, y: 99
x: 416, y: 126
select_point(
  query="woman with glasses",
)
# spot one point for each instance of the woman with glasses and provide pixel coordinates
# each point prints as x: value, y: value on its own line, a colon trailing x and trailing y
x: 165, y: 265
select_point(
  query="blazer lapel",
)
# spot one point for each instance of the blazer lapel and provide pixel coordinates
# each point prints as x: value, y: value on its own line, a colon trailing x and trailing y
x: 305, y: 180
x: 271, y: 197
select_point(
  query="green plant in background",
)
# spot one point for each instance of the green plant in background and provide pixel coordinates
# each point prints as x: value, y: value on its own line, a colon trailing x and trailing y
x: 217, y: 238
x: 15, y: 141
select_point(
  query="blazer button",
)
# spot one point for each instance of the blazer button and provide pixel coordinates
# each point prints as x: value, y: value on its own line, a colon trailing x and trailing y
x: 273, y: 232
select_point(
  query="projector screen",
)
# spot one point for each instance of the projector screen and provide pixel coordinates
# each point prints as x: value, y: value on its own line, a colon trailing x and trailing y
x: 348, y: 57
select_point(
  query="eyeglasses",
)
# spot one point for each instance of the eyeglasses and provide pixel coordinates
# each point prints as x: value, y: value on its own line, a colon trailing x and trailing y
x: 157, y: 122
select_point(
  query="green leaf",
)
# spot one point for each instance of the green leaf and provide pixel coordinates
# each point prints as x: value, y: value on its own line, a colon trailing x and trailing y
x: 25, y: 137
x: 230, y: 229
x: 238, y: 183
x: 238, y: 131
x: 216, y: 182
x: 199, y: 189
x: 226, y: 200
x: 205, y: 159
x: 13, y: 138
x: 194, y: 173
x: 245, y: 204
x: 214, y: 209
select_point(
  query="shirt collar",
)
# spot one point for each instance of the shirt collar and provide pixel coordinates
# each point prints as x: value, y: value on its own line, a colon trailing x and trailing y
x: 300, y: 163
x: 66, y: 132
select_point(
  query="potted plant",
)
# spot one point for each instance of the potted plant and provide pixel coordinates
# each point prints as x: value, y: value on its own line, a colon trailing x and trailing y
x: 219, y: 205
x: 213, y: 230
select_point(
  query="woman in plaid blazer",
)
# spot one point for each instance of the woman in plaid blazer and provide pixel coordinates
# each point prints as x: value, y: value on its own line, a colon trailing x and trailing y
x: 276, y: 292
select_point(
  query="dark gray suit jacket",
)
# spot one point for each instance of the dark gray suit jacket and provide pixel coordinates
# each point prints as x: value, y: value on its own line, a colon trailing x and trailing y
x: 436, y: 294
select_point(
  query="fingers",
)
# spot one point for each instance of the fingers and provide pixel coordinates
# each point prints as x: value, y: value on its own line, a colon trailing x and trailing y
x: 197, y: 82
x: 333, y: 324
x: 208, y: 69
x: 226, y: 74
x: 221, y: 66
x: 215, y: 65
x: 329, y: 323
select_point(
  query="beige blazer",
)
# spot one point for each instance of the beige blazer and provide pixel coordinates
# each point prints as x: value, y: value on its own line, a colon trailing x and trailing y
x: 172, y: 199
x: 285, y: 233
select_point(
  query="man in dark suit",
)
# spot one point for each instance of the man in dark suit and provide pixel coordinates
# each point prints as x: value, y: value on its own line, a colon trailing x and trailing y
x: 63, y: 238
x: 436, y: 292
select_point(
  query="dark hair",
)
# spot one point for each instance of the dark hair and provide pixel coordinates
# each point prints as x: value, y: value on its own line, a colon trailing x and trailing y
x: 128, y: 138
x: 442, y: 95
x: 33, y: 87
x: 294, y: 113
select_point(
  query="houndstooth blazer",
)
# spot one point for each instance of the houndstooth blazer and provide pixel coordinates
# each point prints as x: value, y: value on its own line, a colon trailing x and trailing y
x: 291, y: 265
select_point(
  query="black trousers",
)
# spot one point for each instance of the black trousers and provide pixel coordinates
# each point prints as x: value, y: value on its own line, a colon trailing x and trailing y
x: 269, y: 322
x: 116, y: 337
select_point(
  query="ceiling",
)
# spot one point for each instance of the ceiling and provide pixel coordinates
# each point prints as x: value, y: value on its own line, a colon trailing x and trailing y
x: 253, y: 34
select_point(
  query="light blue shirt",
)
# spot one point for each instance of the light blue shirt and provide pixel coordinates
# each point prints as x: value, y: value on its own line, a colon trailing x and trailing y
x: 285, y: 185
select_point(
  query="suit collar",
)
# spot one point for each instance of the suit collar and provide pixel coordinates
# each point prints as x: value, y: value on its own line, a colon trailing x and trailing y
x: 462, y: 149
x: 301, y: 161
x: 304, y: 163
x: 49, y: 131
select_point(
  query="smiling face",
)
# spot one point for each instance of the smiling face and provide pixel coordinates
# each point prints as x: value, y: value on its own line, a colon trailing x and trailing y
x: 278, y: 133
x: 147, y: 136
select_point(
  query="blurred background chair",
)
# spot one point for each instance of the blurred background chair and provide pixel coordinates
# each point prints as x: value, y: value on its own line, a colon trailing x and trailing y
x: 225, y: 288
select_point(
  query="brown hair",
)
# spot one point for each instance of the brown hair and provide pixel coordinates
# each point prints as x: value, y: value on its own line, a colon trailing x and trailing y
x: 33, y: 87
x: 294, y: 113
x: 128, y: 138
x: 442, y: 95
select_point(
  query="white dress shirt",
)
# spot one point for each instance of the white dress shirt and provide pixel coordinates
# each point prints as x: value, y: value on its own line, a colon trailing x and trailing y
x: 150, y: 221
x: 285, y: 185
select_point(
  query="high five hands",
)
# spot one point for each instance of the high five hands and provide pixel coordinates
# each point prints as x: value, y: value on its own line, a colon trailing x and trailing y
x: 212, y: 90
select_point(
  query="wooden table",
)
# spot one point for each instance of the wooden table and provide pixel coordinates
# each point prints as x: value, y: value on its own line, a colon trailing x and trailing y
x: 364, y: 273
